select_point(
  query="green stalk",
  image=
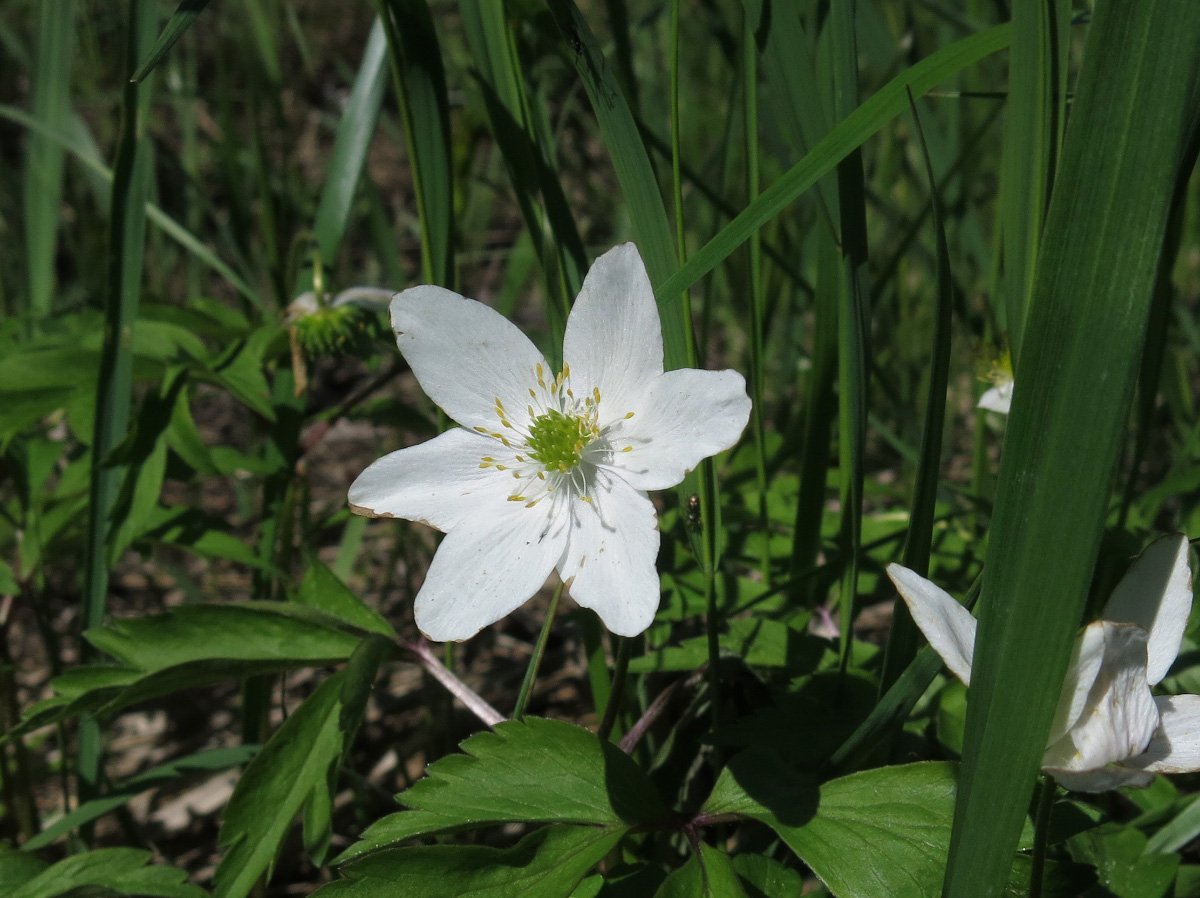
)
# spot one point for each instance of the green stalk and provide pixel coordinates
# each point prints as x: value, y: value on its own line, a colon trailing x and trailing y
x: 127, y: 228
x: 1041, y: 835
x: 44, y: 159
x: 757, y: 315
x: 539, y: 649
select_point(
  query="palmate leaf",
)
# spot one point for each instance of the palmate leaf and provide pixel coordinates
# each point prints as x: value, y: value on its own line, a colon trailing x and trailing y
x: 108, y: 871
x: 530, y: 770
x: 547, y: 863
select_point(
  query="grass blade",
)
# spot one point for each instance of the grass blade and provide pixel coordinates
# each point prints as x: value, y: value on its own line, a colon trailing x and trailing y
x: 44, y: 162
x: 180, y: 21
x: 1133, y: 112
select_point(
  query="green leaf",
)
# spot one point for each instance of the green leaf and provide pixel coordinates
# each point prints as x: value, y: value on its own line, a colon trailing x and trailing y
x: 547, y: 863
x: 880, y: 832
x: 246, y: 631
x: 121, y: 793
x: 322, y: 590
x: 108, y: 871
x: 707, y: 874
x: 274, y: 788
x: 765, y: 877
x: 1123, y: 866
x: 757, y: 641
x: 185, y: 13
x: 529, y: 770
x: 17, y: 868
x: 1133, y: 115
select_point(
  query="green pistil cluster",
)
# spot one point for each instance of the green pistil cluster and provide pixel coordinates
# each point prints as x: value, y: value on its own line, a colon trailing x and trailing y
x: 338, y: 330
x: 557, y: 440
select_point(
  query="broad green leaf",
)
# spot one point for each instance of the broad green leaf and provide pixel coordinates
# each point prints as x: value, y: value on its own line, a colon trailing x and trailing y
x: 528, y: 770
x: 121, y: 793
x: 108, y: 871
x: 757, y: 641
x: 1123, y: 865
x: 707, y: 874
x: 765, y: 877
x: 322, y: 590
x: 246, y: 631
x: 17, y: 868
x: 1133, y: 114
x: 274, y: 788
x: 547, y: 863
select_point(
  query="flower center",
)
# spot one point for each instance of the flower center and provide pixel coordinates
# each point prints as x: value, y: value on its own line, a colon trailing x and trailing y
x: 557, y: 439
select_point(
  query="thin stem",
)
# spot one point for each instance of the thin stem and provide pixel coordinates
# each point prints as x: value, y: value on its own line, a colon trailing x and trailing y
x: 476, y: 704
x: 615, y: 697
x: 1041, y: 833
x: 539, y: 649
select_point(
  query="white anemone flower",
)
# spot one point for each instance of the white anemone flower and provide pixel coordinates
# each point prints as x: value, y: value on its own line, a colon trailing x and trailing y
x: 997, y: 398
x: 547, y: 470
x: 1109, y: 729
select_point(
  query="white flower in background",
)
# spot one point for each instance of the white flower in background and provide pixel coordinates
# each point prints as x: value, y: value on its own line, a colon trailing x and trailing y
x: 998, y: 397
x: 547, y: 471
x: 1109, y: 729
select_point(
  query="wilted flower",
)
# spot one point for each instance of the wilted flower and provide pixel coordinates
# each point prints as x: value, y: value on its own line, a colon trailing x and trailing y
x: 1109, y: 729
x: 548, y: 470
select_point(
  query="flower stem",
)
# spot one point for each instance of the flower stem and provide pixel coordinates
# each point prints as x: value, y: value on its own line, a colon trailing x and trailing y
x: 539, y: 649
x: 613, y: 706
x: 1041, y: 833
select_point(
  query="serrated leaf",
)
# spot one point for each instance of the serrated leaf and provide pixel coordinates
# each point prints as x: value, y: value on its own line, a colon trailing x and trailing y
x: 274, y: 788
x: 529, y: 770
x: 707, y: 874
x: 765, y: 877
x: 547, y: 863
x: 321, y: 589
x: 113, y: 871
x: 1123, y: 866
x: 758, y: 642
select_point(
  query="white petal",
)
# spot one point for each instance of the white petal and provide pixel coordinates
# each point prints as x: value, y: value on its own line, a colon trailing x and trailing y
x: 465, y: 355
x: 611, y: 553
x: 681, y: 418
x: 485, y: 568
x: 1086, y: 659
x: 1156, y: 594
x: 1175, y: 747
x: 1114, y: 776
x: 1119, y: 717
x: 438, y: 482
x: 997, y: 399
x: 947, y: 625
x: 613, y: 339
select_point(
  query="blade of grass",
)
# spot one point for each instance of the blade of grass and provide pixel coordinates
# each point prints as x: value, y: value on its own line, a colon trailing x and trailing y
x: 127, y: 230
x: 421, y: 92
x: 350, y: 146
x: 902, y: 642
x: 853, y: 320
x: 44, y: 159
x: 1134, y: 109
x: 1032, y: 137
x: 884, y: 105
x: 180, y: 21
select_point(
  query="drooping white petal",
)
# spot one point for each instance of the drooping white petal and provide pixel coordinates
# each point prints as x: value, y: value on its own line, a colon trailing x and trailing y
x: 1114, y: 776
x: 613, y: 339
x: 997, y: 399
x: 947, y: 625
x: 610, y: 555
x: 439, y: 482
x: 486, y: 567
x: 1175, y: 747
x: 682, y: 417
x: 1086, y: 659
x: 1156, y: 594
x: 1119, y: 717
x: 465, y: 355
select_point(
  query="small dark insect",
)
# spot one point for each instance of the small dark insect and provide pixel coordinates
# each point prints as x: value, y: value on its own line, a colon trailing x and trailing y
x: 575, y: 42
x: 693, y: 512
